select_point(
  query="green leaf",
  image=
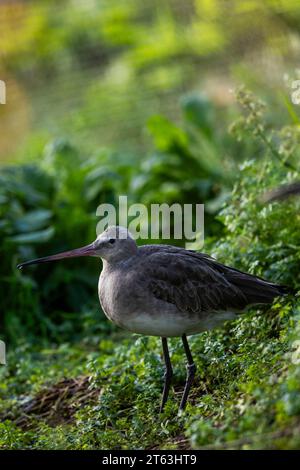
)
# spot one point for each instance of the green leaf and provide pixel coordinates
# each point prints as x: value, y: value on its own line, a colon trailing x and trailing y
x: 40, y: 236
x: 33, y: 220
x: 166, y: 135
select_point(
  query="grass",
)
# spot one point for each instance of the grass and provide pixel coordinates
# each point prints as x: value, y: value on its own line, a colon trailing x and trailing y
x: 246, y: 394
x: 101, y: 389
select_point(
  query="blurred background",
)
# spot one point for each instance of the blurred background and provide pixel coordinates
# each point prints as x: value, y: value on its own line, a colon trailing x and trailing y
x: 110, y: 97
x: 96, y: 71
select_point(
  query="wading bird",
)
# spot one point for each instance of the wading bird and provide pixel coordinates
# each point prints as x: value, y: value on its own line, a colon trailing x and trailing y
x: 167, y: 291
x: 282, y: 192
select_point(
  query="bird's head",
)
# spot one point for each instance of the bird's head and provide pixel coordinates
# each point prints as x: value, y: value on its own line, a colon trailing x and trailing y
x: 114, y: 244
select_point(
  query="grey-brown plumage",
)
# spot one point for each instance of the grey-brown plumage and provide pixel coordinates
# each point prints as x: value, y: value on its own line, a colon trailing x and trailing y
x: 282, y: 192
x: 196, y: 283
x: 167, y: 291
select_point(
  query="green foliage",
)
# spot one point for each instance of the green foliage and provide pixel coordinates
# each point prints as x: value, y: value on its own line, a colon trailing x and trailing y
x: 50, y: 205
x: 144, y: 33
x: 99, y: 73
x: 247, y: 391
x: 35, y: 212
x: 280, y: 144
x: 246, y: 394
x: 263, y: 237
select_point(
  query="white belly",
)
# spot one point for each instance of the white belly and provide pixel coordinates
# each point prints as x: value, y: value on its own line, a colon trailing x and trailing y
x: 169, y: 325
x: 162, y: 319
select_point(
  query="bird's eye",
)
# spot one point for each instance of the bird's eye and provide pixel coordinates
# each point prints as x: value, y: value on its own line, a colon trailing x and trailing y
x: 112, y: 241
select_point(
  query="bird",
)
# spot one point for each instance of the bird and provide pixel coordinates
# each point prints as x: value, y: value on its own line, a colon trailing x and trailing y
x: 282, y: 192
x: 167, y: 291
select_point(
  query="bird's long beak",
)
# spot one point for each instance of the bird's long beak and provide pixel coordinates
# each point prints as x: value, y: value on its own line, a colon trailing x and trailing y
x: 87, y: 250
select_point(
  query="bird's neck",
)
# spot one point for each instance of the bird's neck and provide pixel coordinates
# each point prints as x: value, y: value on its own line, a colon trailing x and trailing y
x: 120, y: 258
x: 115, y: 263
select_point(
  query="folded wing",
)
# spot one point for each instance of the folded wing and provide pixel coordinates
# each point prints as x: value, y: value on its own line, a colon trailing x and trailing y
x: 194, y: 282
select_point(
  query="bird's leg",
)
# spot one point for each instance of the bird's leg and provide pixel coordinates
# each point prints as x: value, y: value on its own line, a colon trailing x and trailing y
x: 168, y: 373
x: 191, y: 370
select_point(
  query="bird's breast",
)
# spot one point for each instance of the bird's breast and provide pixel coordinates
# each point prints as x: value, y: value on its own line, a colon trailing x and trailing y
x: 116, y: 297
x: 128, y: 303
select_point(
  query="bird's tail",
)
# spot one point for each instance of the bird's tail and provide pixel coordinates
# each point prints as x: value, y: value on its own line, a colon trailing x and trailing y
x: 255, y: 289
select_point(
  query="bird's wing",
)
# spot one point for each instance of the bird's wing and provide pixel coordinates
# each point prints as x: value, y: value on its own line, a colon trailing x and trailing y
x: 190, y: 281
x: 282, y: 192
